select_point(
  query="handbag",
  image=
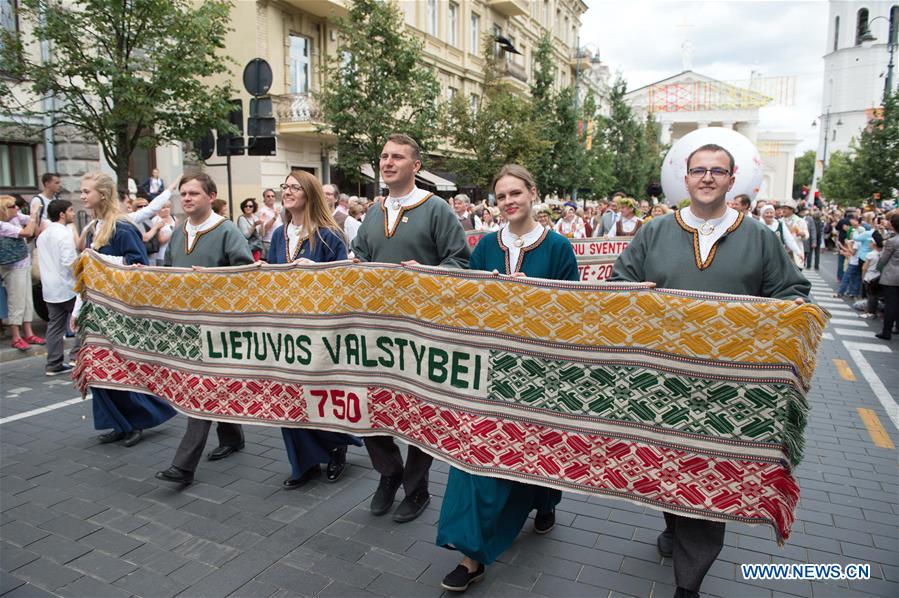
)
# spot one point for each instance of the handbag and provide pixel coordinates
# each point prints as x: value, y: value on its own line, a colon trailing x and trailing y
x: 12, y: 250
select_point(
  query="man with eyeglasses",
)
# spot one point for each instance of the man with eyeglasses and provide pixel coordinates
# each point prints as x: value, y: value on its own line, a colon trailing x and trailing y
x: 707, y: 246
x: 270, y: 217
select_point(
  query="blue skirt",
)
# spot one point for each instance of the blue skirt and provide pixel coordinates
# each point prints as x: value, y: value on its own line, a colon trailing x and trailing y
x: 308, y: 448
x: 481, y: 516
x: 125, y: 411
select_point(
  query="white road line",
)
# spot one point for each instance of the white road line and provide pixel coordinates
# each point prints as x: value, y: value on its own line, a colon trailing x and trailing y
x: 880, y: 391
x: 856, y: 323
x: 33, y: 412
x: 827, y: 336
x: 857, y: 333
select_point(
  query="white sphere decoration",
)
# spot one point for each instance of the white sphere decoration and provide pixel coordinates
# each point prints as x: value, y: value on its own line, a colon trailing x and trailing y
x: 747, y: 162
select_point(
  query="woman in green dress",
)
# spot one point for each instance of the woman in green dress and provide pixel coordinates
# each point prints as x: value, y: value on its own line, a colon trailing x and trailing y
x: 481, y: 516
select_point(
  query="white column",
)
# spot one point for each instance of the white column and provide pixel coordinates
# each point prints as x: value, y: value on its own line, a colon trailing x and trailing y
x: 665, y: 136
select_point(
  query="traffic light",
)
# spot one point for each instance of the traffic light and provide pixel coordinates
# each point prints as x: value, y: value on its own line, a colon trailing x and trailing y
x: 261, y: 128
x: 229, y: 144
x: 205, y: 146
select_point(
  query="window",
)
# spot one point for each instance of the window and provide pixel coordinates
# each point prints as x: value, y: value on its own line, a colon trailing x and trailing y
x: 450, y: 93
x: 510, y: 57
x: 432, y: 17
x: 473, y: 102
x: 861, y: 25
x: 300, y: 66
x: 475, y: 34
x: 452, y: 24
x: 17, y: 166
x: 497, y: 32
x: 836, y: 33
x: 8, y: 19
x: 894, y: 25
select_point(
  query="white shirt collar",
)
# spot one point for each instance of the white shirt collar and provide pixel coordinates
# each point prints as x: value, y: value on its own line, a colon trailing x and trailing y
x: 205, y: 225
x: 413, y: 197
x: 691, y: 220
x: 508, y: 238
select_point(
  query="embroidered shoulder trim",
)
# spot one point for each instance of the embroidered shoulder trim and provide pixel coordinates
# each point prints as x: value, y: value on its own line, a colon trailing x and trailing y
x: 697, y: 256
x: 389, y: 232
x: 521, y: 253
x: 187, y: 249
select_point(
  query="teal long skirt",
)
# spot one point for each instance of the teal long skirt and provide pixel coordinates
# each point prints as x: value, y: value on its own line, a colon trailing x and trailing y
x: 481, y: 516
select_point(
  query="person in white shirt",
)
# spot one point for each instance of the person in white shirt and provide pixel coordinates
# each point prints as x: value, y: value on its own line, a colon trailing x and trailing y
x: 148, y: 212
x: 57, y: 255
x: 354, y: 220
x: 270, y: 215
x: 571, y: 225
x: 165, y: 222
x: 51, y: 184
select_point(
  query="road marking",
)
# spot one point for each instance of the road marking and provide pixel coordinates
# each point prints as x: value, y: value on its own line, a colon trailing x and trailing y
x: 844, y: 369
x: 855, y: 333
x: 827, y: 336
x: 880, y: 391
x: 34, y: 412
x: 856, y: 323
x: 876, y: 430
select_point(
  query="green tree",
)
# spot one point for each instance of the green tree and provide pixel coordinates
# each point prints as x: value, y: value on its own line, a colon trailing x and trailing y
x: 379, y: 83
x: 127, y: 73
x: 627, y: 141
x: 803, y: 170
x: 495, y: 132
x: 838, y: 184
x: 876, y: 161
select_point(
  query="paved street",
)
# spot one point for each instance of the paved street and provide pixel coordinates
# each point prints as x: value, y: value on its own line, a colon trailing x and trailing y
x: 83, y: 519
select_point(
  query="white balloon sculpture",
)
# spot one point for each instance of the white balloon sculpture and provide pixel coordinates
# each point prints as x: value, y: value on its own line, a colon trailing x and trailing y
x: 747, y: 169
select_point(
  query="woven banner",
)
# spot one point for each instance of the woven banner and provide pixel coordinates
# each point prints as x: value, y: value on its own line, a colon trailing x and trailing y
x: 595, y: 257
x: 692, y: 403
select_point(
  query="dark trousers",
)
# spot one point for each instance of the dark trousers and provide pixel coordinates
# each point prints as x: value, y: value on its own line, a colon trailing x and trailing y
x: 190, y: 451
x: 891, y: 308
x: 387, y: 460
x: 841, y: 264
x: 59, y: 314
x: 697, y: 543
x: 816, y: 251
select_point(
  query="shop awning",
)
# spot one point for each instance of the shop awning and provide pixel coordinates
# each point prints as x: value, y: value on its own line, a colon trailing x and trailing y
x: 429, y: 179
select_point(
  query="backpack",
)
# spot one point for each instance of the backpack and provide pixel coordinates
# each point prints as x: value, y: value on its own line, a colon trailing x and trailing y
x: 153, y: 244
x: 12, y: 250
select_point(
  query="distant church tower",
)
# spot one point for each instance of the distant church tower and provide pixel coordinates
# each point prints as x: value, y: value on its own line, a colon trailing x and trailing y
x: 855, y: 72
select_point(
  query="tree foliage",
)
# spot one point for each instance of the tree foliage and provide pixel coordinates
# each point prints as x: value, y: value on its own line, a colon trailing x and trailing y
x: 803, y: 170
x: 495, y: 132
x: 875, y: 166
x: 837, y: 184
x: 378, y: 83
x: 127, y: 73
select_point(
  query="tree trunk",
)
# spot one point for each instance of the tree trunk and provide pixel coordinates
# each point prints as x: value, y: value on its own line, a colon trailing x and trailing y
x: 122, y: 157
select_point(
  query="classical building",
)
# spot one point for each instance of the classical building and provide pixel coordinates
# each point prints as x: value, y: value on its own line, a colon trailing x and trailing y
x: 688, y: 101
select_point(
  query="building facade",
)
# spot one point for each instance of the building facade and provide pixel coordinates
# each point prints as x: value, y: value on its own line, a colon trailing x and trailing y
x: 855, y: 70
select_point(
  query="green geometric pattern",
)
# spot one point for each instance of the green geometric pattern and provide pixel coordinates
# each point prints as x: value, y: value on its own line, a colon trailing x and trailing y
x: 769, y: 413
x: 181, y: 341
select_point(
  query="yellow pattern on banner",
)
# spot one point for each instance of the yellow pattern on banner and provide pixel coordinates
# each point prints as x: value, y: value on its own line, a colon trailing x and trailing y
x: 740, y: 329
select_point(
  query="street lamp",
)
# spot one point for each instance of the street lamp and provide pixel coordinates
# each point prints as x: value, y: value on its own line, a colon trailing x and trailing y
x: 867, y: 36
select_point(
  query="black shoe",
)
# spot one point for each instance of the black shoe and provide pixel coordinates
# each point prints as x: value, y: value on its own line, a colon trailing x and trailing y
x: 111, y: 437
x: 310, y: 474
x: 412, y: 506
x: 460, y: 578
x: 384, y: 495
x: 883, y: 336
x: 223, y: 451
x: 176, y: 475
x: 665, y: 543
x: 684, y: 593
x: 133, y: 437
x: 336, y: 465
x: 62, y: 368
x: 544, y: 522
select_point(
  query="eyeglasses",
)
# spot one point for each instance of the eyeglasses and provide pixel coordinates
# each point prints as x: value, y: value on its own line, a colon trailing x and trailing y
x: 294, y: 188
x: 699, y: 172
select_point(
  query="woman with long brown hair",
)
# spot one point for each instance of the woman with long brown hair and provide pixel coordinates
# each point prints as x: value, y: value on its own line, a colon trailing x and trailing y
x: 114, y: 236
x: 309, y: 234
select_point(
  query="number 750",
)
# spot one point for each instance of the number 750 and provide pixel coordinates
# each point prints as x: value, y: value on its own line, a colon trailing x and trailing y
x: 343, y: 405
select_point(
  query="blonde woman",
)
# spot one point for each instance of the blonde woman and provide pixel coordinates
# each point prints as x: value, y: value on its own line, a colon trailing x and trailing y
x: 309, y: 233
x: 15, y: 270
x: 113, y: 235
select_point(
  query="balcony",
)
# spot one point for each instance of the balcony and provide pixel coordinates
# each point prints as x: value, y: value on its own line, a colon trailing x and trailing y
x: 299, y: 114
x: 515, y: 74
x: 327, y: 9
x: 510, y: 8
